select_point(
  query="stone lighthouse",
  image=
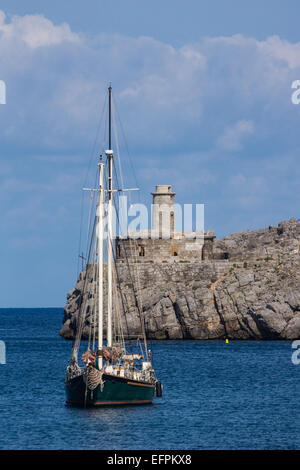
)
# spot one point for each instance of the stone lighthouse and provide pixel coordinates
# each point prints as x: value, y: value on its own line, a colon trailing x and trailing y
x: 163, y: 243
x: 163, y: 224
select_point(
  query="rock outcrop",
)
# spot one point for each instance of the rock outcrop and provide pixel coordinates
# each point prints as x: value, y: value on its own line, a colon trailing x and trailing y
x: 251, y: 290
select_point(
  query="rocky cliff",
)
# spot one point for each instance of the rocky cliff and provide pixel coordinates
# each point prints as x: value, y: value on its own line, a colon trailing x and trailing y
x: 251, y: 290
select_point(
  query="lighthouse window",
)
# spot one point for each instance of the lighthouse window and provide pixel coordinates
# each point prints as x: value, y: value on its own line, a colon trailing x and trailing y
x: 172, y: 224
x: 160, y: 225
x: 141, y: 250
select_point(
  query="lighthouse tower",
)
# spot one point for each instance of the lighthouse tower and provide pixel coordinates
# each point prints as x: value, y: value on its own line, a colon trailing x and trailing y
x: 163, y: 224
x: 164, y: 244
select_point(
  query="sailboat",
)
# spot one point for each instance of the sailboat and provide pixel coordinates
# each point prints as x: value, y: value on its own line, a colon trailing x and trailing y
x: 117, y: 369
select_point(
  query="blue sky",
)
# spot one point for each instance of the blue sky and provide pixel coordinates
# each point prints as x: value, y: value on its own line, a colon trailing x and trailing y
x: 204, y: 94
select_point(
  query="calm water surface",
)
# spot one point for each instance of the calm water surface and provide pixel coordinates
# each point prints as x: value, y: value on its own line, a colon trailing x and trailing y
x: 241, y: 395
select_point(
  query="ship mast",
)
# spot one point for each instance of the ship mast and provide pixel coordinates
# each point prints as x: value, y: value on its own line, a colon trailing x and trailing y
x: 109, y: 154
x: 100, y: 262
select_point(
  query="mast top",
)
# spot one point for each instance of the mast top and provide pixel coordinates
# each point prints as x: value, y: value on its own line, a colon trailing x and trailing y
x: 109, y: 113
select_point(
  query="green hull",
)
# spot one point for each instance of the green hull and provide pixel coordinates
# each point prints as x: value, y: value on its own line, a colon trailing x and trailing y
x: 115, y: 391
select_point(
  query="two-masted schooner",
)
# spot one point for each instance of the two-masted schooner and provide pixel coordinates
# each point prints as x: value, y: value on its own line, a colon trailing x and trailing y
x: 113, y: 372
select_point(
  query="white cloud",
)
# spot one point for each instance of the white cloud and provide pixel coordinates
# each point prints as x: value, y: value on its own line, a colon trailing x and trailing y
x: 280, y: 49
x: 233, y: 135
x: 180, y: 106
x: 35, y: 30
x: 55, y: 94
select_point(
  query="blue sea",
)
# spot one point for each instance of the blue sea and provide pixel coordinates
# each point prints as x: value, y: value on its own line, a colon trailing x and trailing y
x: 240, y: 395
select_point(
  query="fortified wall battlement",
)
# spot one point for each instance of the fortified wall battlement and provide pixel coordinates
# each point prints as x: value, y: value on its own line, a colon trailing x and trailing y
x: 163, y: 242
